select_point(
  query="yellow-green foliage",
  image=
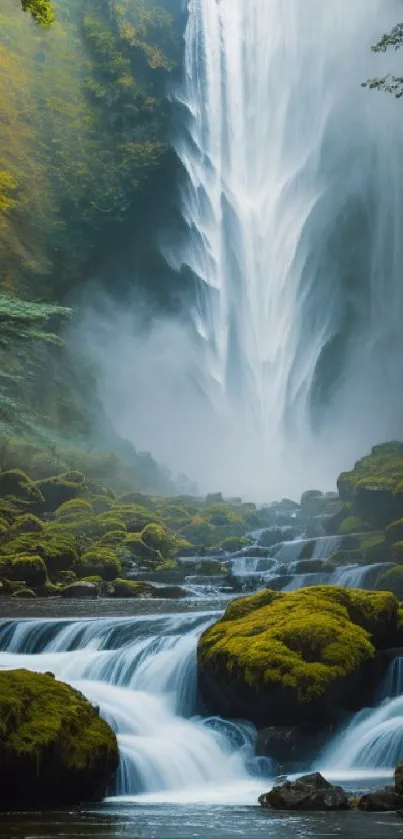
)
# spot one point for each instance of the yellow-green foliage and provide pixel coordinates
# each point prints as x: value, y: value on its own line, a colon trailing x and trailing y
x: 73, y: 510
x: 302, y: 640
x: 52, y: 728
x: 3, y: 527
x: 101, y: 504
x: 199, y: 532
x: 352, y: 524
x: 41, y: 11
x: 100, y: 562
x: 135, y: 518
x: 57, y: 549
x: 235, y: 543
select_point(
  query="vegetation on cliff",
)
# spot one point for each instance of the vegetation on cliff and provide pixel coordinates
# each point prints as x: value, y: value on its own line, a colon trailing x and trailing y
x: 54, y: 747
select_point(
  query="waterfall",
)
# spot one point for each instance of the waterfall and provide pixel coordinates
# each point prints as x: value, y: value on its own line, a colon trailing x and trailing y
x: 292, y: 200
x: 393, y: 684
x: 141, y: 672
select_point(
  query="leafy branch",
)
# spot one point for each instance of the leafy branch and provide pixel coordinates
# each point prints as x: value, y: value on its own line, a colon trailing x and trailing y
x: 389, y: 84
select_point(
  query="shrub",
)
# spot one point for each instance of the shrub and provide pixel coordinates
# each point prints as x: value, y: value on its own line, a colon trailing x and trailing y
x: 27, y: 569
x: 158, y: 537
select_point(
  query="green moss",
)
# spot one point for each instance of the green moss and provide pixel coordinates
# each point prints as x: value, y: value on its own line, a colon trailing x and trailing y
x: 392, y: 580
x: 235, y: 543
x: 27, y: 569
x: 134, y: 548
x: 352, y: 524
x: 4, y: 527
x: 61, y: 488
x: 54, y: 747
x: 156, y: 536
x: 112, y: 539
x: 130, y: 588
x: 56, y: 549
x: 24, y: 594
x: 135, y: 518
x: 109, y: 522
x: 74, y: 509
x: 303, y: 641
x: 397, y: 553
x: 100, y: 562
x: 394, y: 532
x: 101, y: 504
x: 27, y: 524
x: 16, y: 485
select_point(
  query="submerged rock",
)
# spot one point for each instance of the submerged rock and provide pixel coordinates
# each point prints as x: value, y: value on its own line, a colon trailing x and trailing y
x: 291, y: 745
x: 55, y: 749
x: 311, y: 792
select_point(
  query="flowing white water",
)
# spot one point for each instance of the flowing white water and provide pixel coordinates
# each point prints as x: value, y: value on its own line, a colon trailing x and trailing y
x: 141, y: 673
x: 293, y: 199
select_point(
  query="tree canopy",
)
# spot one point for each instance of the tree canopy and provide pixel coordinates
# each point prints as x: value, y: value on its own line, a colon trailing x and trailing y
x: 41, y: 11
x: 390, y: 84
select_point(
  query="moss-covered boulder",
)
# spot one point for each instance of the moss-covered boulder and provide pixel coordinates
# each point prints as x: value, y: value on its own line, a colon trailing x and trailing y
x: 25, y: 569
x: 129, y: 588
x: 392, y: 580
x: 373, y: 486
x: 299, y: 657
x: 54, y: 748
x: 100, y: 562
x: 61, y: 488
x: 397, y: 553
x: 27, y: 523
x: 16, y: 485
x: 394, y: 532
x: 352, y: 524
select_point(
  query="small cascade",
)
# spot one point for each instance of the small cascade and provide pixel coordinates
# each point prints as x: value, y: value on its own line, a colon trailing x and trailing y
x: 359, y: 576
x: 392, y: 686
x: 373, y: 740
x: 141, y: 672
x: 326, y: 546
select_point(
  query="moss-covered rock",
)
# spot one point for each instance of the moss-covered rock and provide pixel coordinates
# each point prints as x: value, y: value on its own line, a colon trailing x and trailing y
x: 4, y: 528
x: 157, y: 536
x: 352, y: 524
x: 24, y: 594
x: 235, y: 543
x: 27, y: 524
x: 284, y: 659
x: 394, y: 532
x: 100, y: 562
x: 109, y: 523
x: 129, y: 588
x: 58, y: 551
x: 16, y: 485
x: 135, y: 518
x: 54, y: 748
x: 133, y: 548
x: 24, y: 569
x: 61, y: 488
x: 392, y: 580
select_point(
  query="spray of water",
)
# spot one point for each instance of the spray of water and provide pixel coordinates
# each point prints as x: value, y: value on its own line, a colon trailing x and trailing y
x: 292, y: 199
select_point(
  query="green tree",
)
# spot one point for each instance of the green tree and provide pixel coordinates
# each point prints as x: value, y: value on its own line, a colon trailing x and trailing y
x: 41, y: 11
x: 391, y: 84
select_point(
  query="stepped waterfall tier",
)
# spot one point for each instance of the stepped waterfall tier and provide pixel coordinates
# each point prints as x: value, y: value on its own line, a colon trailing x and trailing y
x: 141, y: 673
x: 293, y: 188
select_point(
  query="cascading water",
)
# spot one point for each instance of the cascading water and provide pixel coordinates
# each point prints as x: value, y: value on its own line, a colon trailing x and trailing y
x: 292, y: 200
x: 141, y: 672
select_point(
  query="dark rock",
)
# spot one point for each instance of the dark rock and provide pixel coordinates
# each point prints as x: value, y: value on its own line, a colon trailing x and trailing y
x: 81, y: 589
x: 311, y: 792
x: 291, y: 745
x: 382, y: 801
x: 399, y: 779
x: 169, y: 592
